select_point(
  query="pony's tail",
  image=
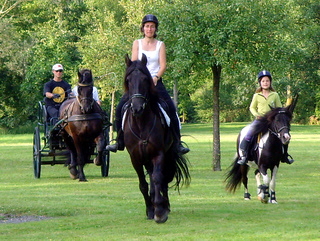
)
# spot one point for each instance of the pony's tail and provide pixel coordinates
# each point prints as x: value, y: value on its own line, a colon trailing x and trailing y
x: 234, y: 176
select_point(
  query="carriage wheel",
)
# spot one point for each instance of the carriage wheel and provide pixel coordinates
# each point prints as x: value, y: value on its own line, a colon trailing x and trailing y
x: 36, y: 153
x: 105, y: 163
x: 106, y: 156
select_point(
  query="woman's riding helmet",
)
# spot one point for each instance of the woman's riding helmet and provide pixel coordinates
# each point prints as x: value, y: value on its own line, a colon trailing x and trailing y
x: 150, y: 18
x: 264, y: 73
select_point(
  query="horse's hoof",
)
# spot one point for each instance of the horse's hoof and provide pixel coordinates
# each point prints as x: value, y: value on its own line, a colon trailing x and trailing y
x: 160, y: 219
x: 97, y: 162
x: 73, y: 177
x: 247, y: 196
x: 73, y: 172
x: 83, y: 180
x: 150, y: 214
x: 163, y: 218
x: 263, y: 200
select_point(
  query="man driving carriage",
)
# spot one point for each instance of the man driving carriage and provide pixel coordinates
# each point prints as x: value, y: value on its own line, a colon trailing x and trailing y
x: 55, y: 91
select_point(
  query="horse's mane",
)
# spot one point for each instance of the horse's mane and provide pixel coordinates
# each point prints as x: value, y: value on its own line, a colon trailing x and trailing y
x: 267, y: 120
x: 85, y: 77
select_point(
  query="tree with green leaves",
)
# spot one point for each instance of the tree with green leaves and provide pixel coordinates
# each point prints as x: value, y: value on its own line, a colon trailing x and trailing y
x: 232, y: 39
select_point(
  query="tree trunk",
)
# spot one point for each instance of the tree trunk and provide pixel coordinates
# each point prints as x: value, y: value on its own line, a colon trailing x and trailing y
x: 216, y: 71
x: 175, y: 94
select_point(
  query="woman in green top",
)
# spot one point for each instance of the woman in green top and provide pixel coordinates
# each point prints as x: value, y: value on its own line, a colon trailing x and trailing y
x: 262, y: 101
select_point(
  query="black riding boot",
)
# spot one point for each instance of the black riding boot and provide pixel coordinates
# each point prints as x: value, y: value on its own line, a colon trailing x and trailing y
x: 285, y: 158
x: 176, y: 135
x: 182, y: 149
x: 119, y: 145
x: 244, y: 147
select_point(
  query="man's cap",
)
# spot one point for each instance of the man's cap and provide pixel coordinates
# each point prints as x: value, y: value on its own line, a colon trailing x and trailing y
x: 57, y: 67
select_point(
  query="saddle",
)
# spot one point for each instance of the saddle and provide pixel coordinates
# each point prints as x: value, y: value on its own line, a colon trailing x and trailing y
x: 253, y: 148
x: 162, y: 111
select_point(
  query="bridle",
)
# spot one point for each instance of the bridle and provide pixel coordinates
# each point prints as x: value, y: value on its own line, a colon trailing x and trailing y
x: 139, y: 96
x: 80, y: 100
x: 276, y: 131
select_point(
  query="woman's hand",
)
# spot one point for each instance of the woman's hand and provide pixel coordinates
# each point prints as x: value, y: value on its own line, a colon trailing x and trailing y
x: 155, y: 80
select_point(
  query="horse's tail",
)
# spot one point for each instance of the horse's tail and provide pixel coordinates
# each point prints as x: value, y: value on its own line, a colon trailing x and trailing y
x: 179, y: 169
x: 234, y: 175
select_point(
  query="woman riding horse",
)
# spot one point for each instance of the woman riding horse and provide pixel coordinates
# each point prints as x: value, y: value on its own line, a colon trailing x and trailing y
x: 156, y: 53
x: 149, y: 141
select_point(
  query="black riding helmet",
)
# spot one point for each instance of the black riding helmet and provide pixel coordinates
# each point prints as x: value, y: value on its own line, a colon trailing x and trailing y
x: 149, y: 18
x: 264, y: 73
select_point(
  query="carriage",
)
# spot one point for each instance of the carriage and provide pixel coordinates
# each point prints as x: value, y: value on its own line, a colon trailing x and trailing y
x: 49, y: 147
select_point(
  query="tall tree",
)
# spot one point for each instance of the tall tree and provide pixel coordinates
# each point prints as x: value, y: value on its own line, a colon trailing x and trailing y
x: 229, y: 37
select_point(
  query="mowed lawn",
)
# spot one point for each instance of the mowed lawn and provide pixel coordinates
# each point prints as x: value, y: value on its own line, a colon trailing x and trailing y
x: 112, y: 208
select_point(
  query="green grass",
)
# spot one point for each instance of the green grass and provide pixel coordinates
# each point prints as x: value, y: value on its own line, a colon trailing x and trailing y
x: 112, y: 208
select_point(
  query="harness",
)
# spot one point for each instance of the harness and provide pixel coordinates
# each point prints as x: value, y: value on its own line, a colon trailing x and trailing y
x: 79, y: 117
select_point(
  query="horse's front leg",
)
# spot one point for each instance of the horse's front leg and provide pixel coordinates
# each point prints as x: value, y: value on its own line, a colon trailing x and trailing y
x: 273, y: 185
x: 72, y: 166
x: 101, y: 145
x: 144, y: 189
x: 82, y: 157
x: 263, y: 189
x: 161, y: 201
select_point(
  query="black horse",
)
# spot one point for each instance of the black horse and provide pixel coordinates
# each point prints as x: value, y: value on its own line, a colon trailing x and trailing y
x: 82, y: 126
x: 267, y: 154
x: 149, y: 141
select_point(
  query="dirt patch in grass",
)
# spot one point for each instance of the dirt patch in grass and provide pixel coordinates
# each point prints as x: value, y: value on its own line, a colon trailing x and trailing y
x: 9, y: 218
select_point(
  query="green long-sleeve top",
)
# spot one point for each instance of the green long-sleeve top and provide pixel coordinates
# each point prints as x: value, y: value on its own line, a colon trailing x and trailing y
x: 260, y: 105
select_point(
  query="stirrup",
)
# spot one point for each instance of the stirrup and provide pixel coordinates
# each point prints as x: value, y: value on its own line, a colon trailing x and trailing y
x: 242, y: 160
x: 287, y: 160
x: 112, y: 148
x: 182, y: 149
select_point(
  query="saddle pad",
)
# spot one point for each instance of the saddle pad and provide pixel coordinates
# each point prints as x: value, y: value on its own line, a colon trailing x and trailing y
x: 166, y: 116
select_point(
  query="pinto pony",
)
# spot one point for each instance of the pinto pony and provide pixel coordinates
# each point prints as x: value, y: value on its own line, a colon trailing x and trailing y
x: 266, y: 155
x: 149, y: 141
x: 82, y: 126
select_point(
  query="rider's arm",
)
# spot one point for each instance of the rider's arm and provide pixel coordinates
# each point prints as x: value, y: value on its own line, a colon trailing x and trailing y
x: 135, y: 50
x: 49, y: 95
x: 254, y: 106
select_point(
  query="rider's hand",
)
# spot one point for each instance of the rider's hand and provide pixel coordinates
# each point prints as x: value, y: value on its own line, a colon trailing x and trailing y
x: 55, y: 96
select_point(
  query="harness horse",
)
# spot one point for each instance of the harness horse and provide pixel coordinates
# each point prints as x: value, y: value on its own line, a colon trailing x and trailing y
x: 266, y: 155
x: 82, y: 126
x: 149, y: 142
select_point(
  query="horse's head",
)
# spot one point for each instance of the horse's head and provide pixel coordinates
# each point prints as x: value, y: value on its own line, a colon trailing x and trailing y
x: 85, y: 77
x: 138, y: 84
x: 279, y: 119
x: 85, y: 88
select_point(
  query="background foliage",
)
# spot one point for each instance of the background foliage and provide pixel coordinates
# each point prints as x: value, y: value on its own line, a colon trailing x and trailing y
x: 243, y: 37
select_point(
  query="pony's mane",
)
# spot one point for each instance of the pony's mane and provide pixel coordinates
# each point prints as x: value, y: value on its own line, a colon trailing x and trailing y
x: 275, y: 111
x: 85, y: 77
x: 268, y: 118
